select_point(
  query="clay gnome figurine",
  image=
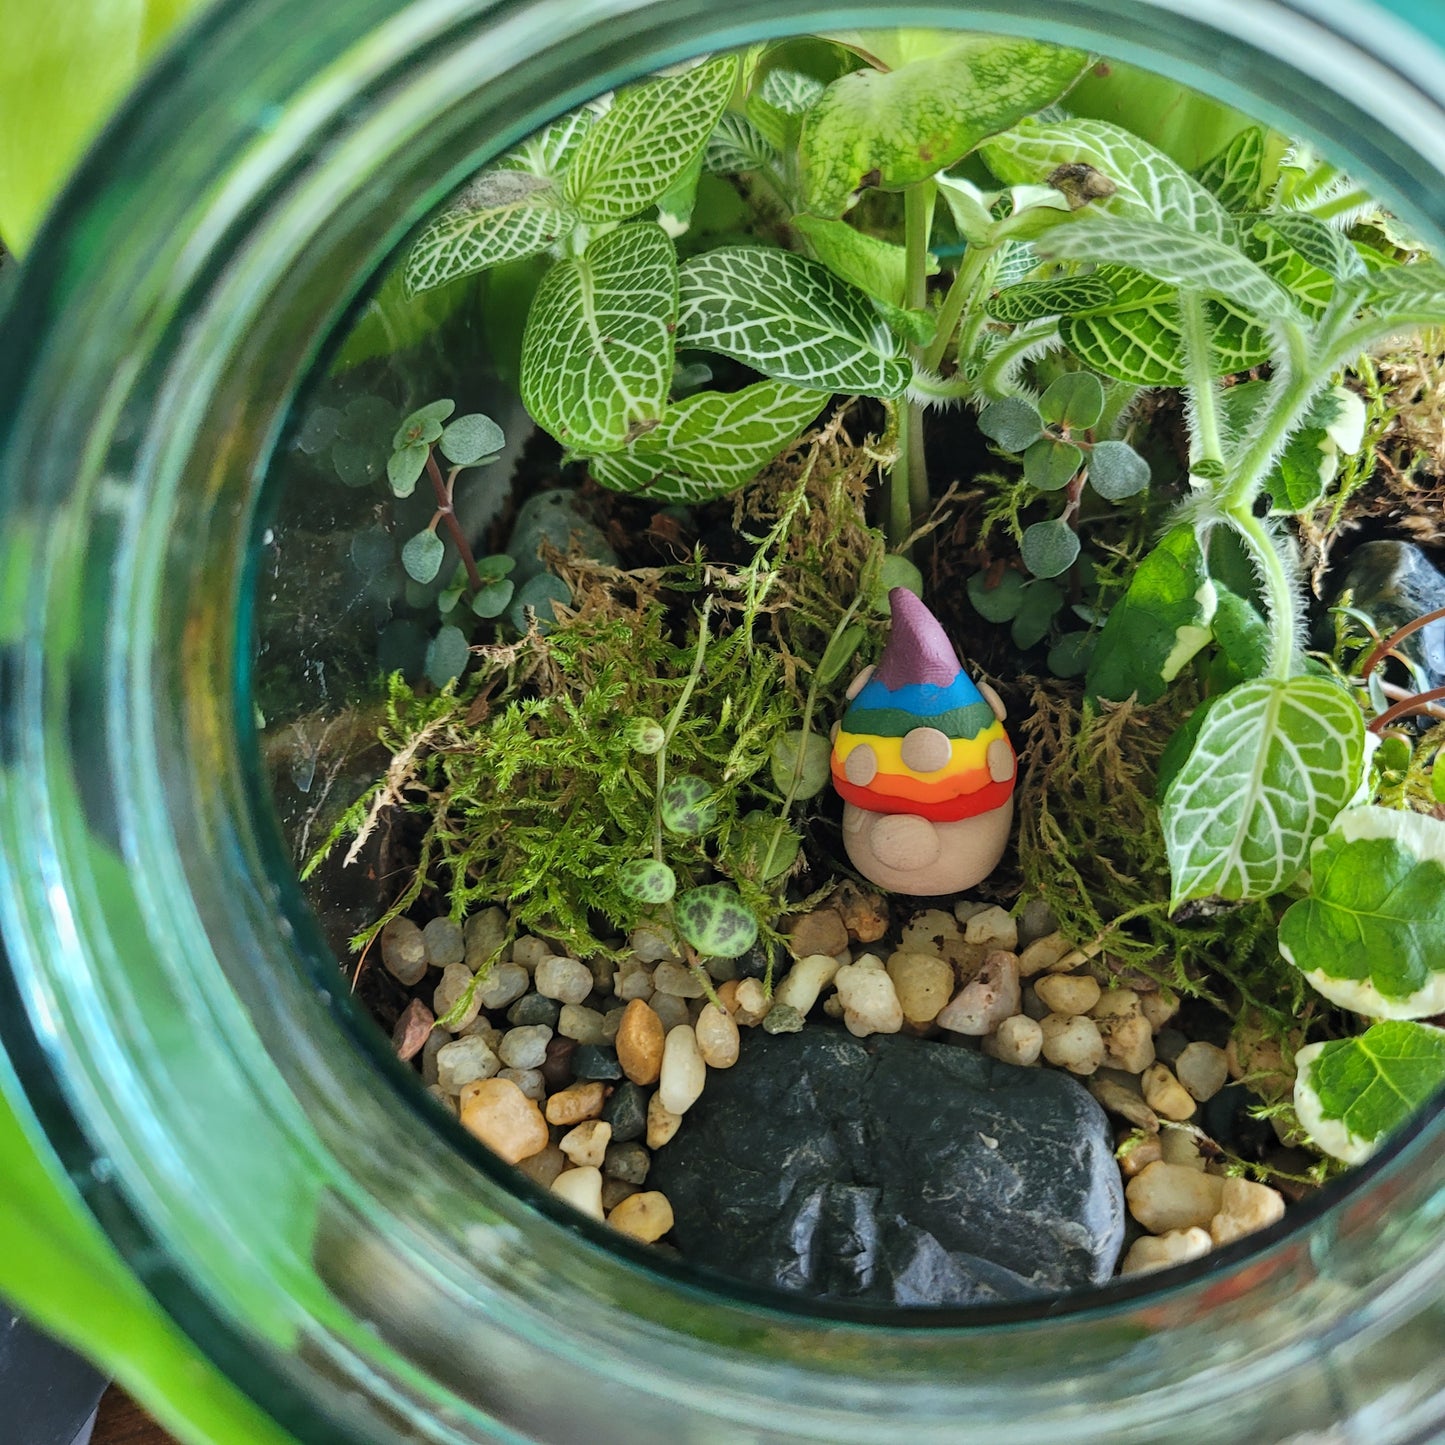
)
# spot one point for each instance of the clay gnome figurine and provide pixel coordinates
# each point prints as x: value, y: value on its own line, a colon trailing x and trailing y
x: 923, y: 764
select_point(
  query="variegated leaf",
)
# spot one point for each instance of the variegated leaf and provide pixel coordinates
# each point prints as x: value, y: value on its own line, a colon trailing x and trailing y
x: 1235, y: 177
x: 548, y: 151
x: 736, y: 145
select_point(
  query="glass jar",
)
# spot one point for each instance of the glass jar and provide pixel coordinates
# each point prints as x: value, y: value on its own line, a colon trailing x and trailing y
x: 171, y: 1015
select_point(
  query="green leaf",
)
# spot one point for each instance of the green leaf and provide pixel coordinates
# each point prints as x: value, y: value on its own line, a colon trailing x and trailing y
x: 893, y: 129
x: 1057, y: 296
x: 840, y: 651
x: 1074, y: 400
x: 421, y: 555
x: 1235, y: 176
x: 1001, y: 602
x: 895, y: 570
x: 647, y: 881
x: 1409, y: 295
x: 736, y: 145
x: 813, y: 770
x: 492, y: 600
x: 715, y: 921
x: 764, y: 847
x: 1050, y: 465
x: 649, y: 136
x: 446, y: 656
x: 470, y: 438
x: 789, y: 318
x: 502, y: 216
x: 1350, y: 1094
x: 1011, y: 422
x: 536, y: 595
x: 1371, y: 934
x: 777, y: 107
x: 1242, y: 635
x: 496, y: 566
x: 1148, y: 186
x: 598, y: 349
x: 1325, y: 248
x: 405, y: 466
x: 423, y: 425
x: 1157, y: 625
x: 1042, y: 602
x: 1069, y: 656
x: 677, y: 203
x: 1117, y: 471
x: 1049, y: 548
x: 549, y: 151
x: 687, y: 806
x: 1273, y: 765
x: 712, y: 443
x: 874, y: 266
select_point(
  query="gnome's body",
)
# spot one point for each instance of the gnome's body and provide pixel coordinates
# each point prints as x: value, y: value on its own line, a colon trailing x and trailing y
x: 923, y: 764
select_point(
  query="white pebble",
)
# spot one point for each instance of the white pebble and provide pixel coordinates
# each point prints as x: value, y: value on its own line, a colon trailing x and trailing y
x: 444, y: 943
x: 662, y: 1123
x: 1072, y: 1042
x: 1169, y: 1196
x: 1150, y: 1252
x: 1017, y: 1040
x: 582, y: 1189
x: 652, y: 944
x: 1128, y: 1039
x: 456, y: 979
x: 676, y: 979
x: 683, y: 1071
x: 525, y: 1047
x: 1159, y: 1007
x: 529, y: 1081
x: 994, y: 927
x: 1043, y: 954
x: 805, y: 981
x: 752, y: 1003
x: 483, y: 934
x: 870, y: 1002
x: 1245, y: 1206
x: 463, y: 1060
x: 529, y: 951
x: 1202, y: 1069
x: 586, y: 1144
x: 1165, y: 1094
x: 563, y: 979
x: 989, y: 998
x: 583, y: 1024
x: 403, y: 951
x: 716, y: 1032
x: 504, y: 984
x: 1068, y: 993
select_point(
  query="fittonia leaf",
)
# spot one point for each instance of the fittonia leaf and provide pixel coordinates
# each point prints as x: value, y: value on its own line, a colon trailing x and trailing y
x: 864, y: 261
x: 598, y: 349
x: 1350, y: 1094
x: 1371, y: 934
x: 1273, y: 765
x: 1235, y: 177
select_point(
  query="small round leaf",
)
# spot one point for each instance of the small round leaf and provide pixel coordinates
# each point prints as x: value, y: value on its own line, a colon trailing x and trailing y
x: 498, y: 565
x: 1049, y: 548
x: 422, y: 556
x: 368, y: 420
x: 404, y: 467
x: 1074, y: 400
x: 999, y: 603
x: 715, y: 921
x: 895, y: 571
x: 647, y: 880
x: 470, y: 438
x: 1041, y: 604
x: 423, y: 425
x: 1012, y: 423
x: 765, y: 846
x: 357, y: 464
x: 687, y: 807
x: 492, y: 600
x: 1069, y: 656
x: 538, y: 594
x: 812, y: 771
x: 1117, y: 471
x: 646, y: 735
x: 446, y: 656
x: 318, y: 431
x: 1050, y: 465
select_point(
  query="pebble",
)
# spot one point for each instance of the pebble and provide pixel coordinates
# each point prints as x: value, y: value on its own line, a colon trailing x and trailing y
x: 462, y: 1061
x: 684, y: 1074
x: 583, y: 1024
x: 677, y: 980
x: 1073, y: 1043
x: 782, y: 1018
x: 626, y: 1111
x: 651, y: 944
x: 717, y: 1036
x: 525, y: 1047
x: 924, y: 984
x: 483, y: 935
x: 529, y: 951
x: 482, y: 1028
x: 1165, y: 1094
x: 593, y: 1061
x: 628, y: 1162
x: 864, y: 912
x: 586, y: 1144
x: 1036, y: 920
x: 529, y: 1081
x: 582, y: 1189
x: 564, y: 979
x: 532, y: 1008
x: 1244, y: 1207
x: 870, y: 1002
x: 575, y: 1103
x: 822, y: 931
x: 639, y: 1043
x: 1018, y: 1040
x: 753, y: 1003
x: 1128, y: 1039
x: 557, y: 1067
x: 510, y: 1124
x: 1170, y: 1043
x: 1181, y: 1146
x: 671, y: 1010
x: 1068, y: 993
x: 646, y: 1216
x: 1150, y: 1252
x: 403, y: 951
x: 993, y: 927
x: 503, y: 984
x: 444, y: 944
x: 412, y: 1029
x: 805, y: 981
x: 1159, y: 1006
x: 1043, y: 954
x: 542, y: 1168
x: 612, y: 1024
x: 634, y: 980
x: 1138, y: 1152
x: 1032, y: 1004
x: 604, y: 973
x: 1127, y: 1103
x: 1202, y: 1069
x: 662, y: 1123
x: 1169, y: 1196
x: 456, y: 979
x: 990, y: 997
x: 614, y: 1191
x: 931, y: 931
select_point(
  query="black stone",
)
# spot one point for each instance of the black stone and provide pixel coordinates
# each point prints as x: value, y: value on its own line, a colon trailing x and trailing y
x: 627, y: 1162
x: 626, y: 1111
x: 534, y: 1008
x: 754, y: 963
x: 591, y: 1061
x: 1393, y: 583
x: 894, y: 1169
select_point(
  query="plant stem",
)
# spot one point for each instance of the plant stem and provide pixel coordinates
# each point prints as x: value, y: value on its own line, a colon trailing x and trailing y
x: 955, y: 302
x: 908, y: 481
x: 449, y: 520
x: 674, y: 718
x: 1198, y: 347
x: 1420, y: 702
x: 1278, y: 591
x: 900, y: 510
x: 1385, y: 648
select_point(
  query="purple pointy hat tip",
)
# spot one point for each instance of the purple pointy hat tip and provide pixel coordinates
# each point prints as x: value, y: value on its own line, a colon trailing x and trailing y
x: 918, y: 649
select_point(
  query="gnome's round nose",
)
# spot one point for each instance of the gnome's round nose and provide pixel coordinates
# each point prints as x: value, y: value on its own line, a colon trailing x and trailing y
x: 923, y: 764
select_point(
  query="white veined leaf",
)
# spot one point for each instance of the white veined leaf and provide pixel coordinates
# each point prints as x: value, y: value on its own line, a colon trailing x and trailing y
x: 652, y: 133
x: 1179, y: 258
x: 1272, y: 766
x: 502, y: 216
x: 548, y: 152
x: 875, y: 266
x: 791, y: 319
x: 713, y: 443
x: 1147, y: 183
x: 1235, y: 177
x: 790, y: 91
x: 1412, y: 295
x: 736, y: 145
x: 597, y: 352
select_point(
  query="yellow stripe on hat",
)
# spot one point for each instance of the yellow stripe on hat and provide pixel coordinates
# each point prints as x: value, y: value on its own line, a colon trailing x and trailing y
x: 967, y: 755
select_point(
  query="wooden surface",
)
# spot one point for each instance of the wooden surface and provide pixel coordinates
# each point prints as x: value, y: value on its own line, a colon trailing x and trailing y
x: 122, y: 1422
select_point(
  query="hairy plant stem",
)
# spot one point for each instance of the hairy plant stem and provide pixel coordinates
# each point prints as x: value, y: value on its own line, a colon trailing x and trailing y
x: 1279, y: 592
x: 908, y: 480
x: 448, y: 517
x: 956, y: 301
x: 1194, y: 323
x: 674, y: 718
